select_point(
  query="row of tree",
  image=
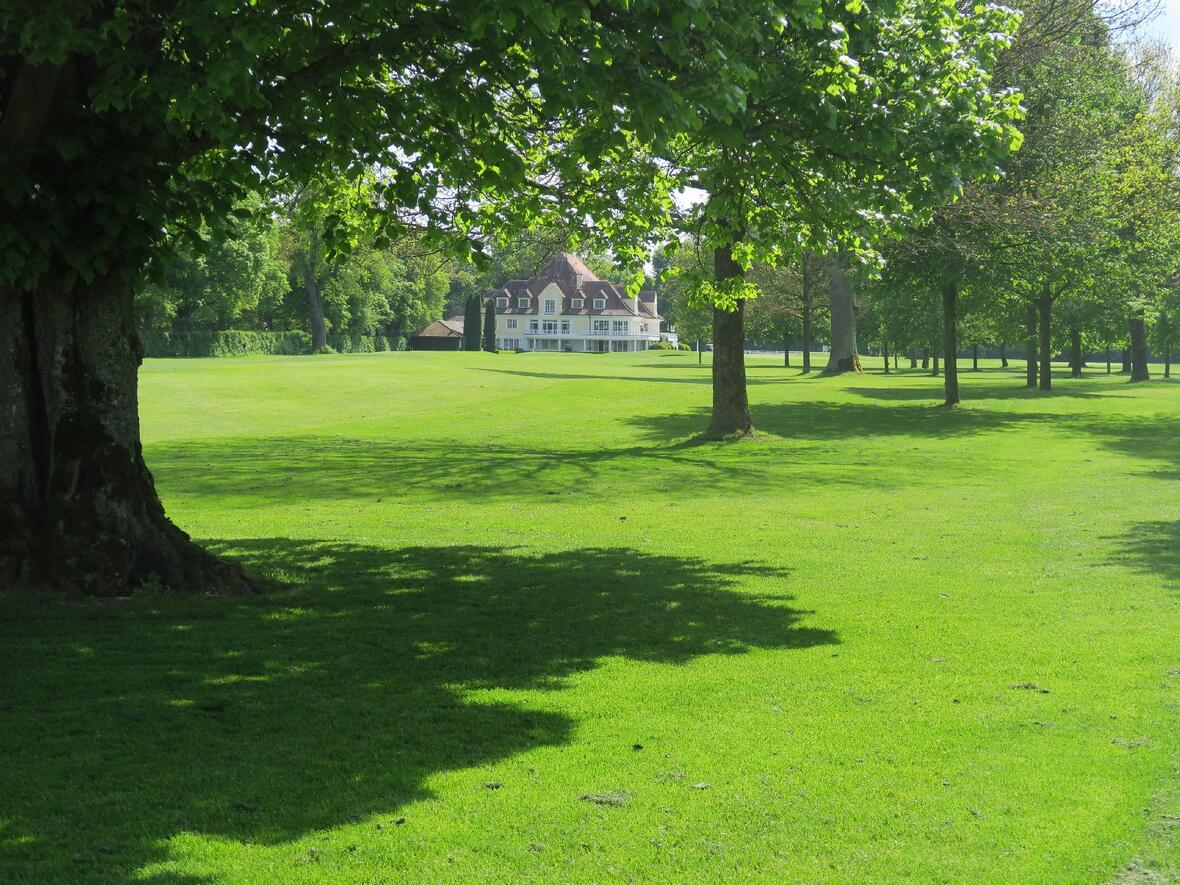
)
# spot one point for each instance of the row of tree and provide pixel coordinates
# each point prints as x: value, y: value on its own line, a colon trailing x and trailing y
x: 819, y: 128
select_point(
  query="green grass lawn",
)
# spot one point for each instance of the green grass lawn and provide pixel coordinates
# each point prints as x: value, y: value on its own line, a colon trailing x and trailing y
x: 529, y: 631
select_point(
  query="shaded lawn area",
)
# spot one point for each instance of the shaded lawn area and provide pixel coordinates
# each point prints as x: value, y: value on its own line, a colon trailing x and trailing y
x: 522, y: 627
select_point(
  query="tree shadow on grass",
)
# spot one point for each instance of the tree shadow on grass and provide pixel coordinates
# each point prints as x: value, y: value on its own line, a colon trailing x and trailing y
x: 821, y: 420
x: 1152, y: 548
x: 968, y: 392
x: 331, y: 700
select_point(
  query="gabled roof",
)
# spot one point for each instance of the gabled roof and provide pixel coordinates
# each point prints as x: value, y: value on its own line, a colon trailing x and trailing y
x: 570, y: 275
x: 452, y: 328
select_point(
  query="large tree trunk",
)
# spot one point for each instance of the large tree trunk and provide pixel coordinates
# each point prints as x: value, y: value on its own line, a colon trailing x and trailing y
x: 913, y: 357
x: 78, y: 508
x: 1030, y: 363
x: 842, y: 298
x: 1045, y: 307
x: 1075, y: 352
x: 1139, y: 371
x: 731, y: 408
x: 950, y: 344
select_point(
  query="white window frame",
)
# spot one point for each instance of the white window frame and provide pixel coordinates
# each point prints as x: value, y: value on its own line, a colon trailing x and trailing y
x: 550, y: 307
x: 600, y: 304
x: 549, y: 327
x: 601, y: 327
x: 502, y: 303
x: 565, y: 327
x: 576, y: 303
x: 619, y: 327
x: 523, y: 301
x: 532, y: 325
x: 511, y: 324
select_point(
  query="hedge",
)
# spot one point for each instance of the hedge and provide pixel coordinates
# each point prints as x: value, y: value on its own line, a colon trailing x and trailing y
x: 232, y: 342
x: 236, y: 342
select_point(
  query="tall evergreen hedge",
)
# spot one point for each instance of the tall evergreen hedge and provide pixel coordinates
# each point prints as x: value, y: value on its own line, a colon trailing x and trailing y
x: 489, y: 326
x: 236, y: 342
x: 472, y: 314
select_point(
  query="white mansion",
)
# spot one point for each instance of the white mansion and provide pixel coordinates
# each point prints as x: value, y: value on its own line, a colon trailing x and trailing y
x: 566, y: 307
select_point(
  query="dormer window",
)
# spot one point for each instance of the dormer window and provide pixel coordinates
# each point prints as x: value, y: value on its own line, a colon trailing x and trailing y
x: 501, y: 303
x: 550, y: 307
x: 600, y: 304
x: 522, y: 302
x: 576, y: 303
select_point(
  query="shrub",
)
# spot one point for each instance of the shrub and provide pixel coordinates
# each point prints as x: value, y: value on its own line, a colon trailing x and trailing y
x: 231, y: 342
x: 660, y: 345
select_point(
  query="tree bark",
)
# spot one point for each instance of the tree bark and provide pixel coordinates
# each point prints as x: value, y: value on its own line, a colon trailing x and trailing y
x: 885, y: 354
x: 731, y: 408
x: 974, y: 357
x: 913, y: 357
x: 1045, y: 308
x: 78, y: 508
x: 1139, y: 370
x: 1108, y: 359
x: 786, y: 350
x: 1031, y: 348
x: 842, y: 298
x: 1003, y: 355
x: 315, y: 300
x: 950, y: 344
x: 935, y: 371
x: 1167, y: 359
x: 1127, y: 358
x: 925, y: 357
x: 806, y: 332
x: 1075, y: 352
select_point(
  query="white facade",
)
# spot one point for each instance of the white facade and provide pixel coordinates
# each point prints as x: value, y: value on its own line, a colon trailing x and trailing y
x: 547, y: 324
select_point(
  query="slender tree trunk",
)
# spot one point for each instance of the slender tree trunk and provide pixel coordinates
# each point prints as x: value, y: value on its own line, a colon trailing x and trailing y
x: 925, y: 357
x: 843, y: 357
x: 1075, y: 352
x: 1003, y: 355
x: 1127, y: 358
x: 885, y: 354
x: 1031, y: 346
x: 1139, y: 370
x: 786, y: 350
x: 1045, y: 306
x: 731, y: 408
x: 78, y: 507
x: 700, y: 353
x: 895, y: 359
x: 1167, y: 359
x: 313, y: 285
x: 935, y: 371
x: 806, y: 334
x: 913, y: 357
x: 950, y: 344
x: 974, y: 357
x: 1108, y: 359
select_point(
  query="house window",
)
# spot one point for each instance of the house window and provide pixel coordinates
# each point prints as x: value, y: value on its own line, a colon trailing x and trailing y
x: 601, y: 327
x: 550, y: 307
x: 576, y: 303
x: 501, y: 303
x: 522, y: 302
x: 620, y: 326
x: 643, y: 327
x: 532, y: 325
x: 549, y: 327
x: 599, y: 303
x: 565, y: 327
x: 511, y: 324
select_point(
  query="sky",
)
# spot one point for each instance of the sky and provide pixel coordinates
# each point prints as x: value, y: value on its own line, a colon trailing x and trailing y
x: 1167, y: 25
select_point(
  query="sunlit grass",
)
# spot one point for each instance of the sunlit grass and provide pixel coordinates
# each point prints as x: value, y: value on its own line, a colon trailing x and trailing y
x: 524, y: 627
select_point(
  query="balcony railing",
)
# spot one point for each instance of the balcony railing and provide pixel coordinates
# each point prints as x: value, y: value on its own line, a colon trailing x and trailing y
x: 591, y: 333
